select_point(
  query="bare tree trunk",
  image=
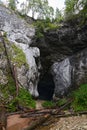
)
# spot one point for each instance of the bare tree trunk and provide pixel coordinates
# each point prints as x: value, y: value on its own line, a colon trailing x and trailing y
x: 6, y: 53
x: 15, y: 77
x: 12, y: 70
x: 37, y: 122
x: 3, y: 118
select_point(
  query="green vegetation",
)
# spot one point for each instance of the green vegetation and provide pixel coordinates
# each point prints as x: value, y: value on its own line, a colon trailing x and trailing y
x: 16, y: 55
x: 61, y: 102
x: 9, y: 98
x: 1, y: 47
x: 12, y: 4
x: 51, y: 104
x: 24, y: 100
x: 48, y: 104
x: 44, y: 25
x: 80, y: 98
x: 8, y: 91
x: 40, y: 8
x: 58, y: 16
x: 76, y: 9
x: 19, y: 57
x: 11, y: 85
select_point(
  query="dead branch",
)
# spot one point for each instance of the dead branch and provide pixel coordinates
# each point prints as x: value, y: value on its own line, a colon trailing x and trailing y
x: 41, y: 120
x: 6, y: 53
x: 64, y: 106
x: 13, y: 69
x: 45, y: 111
x: 71, y: 114
x: 3, y: 118
x: 15, y: 78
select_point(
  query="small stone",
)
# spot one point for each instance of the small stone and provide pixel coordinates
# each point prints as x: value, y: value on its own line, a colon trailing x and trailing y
x: 85, y: 127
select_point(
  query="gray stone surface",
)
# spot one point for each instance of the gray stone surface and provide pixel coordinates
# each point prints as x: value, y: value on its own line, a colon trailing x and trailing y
x: 62, y: 77
x: 63, y: 51
x: 21, y: 33
x: 70, y: 73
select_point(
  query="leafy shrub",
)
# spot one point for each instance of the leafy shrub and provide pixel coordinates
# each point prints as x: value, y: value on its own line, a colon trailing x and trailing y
x: 42, y: 25
x: 80, y: 98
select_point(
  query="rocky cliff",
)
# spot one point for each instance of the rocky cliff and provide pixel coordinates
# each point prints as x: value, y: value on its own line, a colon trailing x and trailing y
x: 64, y: 56
x: 18, y: 36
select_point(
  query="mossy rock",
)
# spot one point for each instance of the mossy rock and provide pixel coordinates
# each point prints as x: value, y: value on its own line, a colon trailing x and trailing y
x: 8, y: 91
x: 19, y: 57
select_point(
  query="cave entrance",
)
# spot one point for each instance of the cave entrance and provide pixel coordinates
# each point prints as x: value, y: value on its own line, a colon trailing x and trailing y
x: 46, y: 87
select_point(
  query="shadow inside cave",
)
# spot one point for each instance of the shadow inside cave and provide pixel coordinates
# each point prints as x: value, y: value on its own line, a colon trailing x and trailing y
x: 46, y: 87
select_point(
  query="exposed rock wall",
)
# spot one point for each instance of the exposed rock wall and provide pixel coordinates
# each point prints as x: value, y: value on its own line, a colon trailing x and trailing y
x: 21, y: 33
x: 63, y: 53
x: 62, y: 76
x: 70, y: 73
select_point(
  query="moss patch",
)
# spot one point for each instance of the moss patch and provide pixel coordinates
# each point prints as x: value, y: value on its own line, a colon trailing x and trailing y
x: 16, y: 55
x: 19, y: 58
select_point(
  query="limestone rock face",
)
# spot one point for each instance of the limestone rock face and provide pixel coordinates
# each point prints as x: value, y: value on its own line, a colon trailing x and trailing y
x: 62, y: 76
x: 21, y: 33
x: 63, y: 52
x: 70, y: 73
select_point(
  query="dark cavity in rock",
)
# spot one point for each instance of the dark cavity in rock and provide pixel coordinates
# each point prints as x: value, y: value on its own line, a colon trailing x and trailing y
x: 46, y: 87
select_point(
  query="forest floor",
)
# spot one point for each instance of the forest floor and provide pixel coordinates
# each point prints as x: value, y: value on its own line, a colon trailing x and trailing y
x: 15, y: 122
x: 67, y: 123
x: 71, y: 123
x: 79, y: 122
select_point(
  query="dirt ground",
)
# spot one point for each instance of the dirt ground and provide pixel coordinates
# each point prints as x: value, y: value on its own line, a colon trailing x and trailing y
x: 71, y: 123
x: 14, y: 122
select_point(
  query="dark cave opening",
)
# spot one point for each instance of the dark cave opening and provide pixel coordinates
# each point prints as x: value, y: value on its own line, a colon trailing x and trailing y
x: 46, y: 87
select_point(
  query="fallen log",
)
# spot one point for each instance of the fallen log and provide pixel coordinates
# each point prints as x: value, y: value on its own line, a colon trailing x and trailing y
x: 38, y: 122
x: 36, y: 113
x: 46, y: 111
x: 14, y: 113
x: 42, y: 119
x: 3, y: 118
x: 66, y: 104
x: 71, y: 114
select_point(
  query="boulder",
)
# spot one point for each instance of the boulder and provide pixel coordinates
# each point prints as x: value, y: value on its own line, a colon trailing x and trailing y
x: 70, y: 73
